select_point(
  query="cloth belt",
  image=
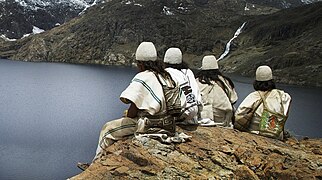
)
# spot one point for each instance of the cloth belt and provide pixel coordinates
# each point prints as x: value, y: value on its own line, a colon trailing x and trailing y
x: 165, y: 122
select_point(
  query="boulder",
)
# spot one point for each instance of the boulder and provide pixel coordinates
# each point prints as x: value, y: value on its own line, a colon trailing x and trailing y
x: 211, y: 153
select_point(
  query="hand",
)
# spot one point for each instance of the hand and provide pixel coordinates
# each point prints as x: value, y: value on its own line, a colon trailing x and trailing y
x: 125, y: 113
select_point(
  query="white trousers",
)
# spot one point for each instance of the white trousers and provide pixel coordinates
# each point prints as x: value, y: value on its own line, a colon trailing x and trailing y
x: 115, y: 130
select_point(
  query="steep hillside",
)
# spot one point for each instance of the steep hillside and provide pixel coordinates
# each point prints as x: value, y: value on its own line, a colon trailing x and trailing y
x: 290, y: 41
x: 110, y: 32
x: 19, y: 17
x: 282, y: 4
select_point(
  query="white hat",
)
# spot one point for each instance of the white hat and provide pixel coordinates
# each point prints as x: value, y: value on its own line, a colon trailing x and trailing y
x: 209, y: 62
x: 264, y: 73
x: 146, y: 52
x: 173, y: 56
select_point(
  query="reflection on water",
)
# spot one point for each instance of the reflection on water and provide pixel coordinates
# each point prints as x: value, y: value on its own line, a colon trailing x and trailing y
x: 51, y: 114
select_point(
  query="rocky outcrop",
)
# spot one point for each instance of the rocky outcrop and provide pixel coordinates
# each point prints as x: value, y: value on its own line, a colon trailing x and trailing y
x: 211, y: 153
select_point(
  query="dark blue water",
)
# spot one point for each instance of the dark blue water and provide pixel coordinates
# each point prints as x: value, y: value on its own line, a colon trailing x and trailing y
x: 51, y: 115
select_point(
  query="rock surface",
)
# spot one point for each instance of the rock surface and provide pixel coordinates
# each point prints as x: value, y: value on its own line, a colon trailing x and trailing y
x: 211, y: 153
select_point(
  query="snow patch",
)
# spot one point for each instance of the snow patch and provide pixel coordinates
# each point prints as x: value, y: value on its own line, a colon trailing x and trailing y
x: 43, y: 4
x: 306, y: 1
x: 88, y: 6
x: 249, y: 6
x: 286, y: 4
x: 26, y: 35
x: 182, y: 8
x: 7, y: 39
x: 136, y: 4
x: 23, y: 4
x: 166, y: 11
x: 128, y: 2
x: 80, y: 2
x: 36, y: 30
x: 246, y: 8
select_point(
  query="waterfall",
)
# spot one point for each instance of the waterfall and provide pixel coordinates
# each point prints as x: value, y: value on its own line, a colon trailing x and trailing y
x: 239, y: 30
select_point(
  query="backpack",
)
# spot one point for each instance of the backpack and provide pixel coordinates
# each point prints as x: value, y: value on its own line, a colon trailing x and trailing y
x: 242, y: 123
x: 272, y: 123
x: 172, y: 98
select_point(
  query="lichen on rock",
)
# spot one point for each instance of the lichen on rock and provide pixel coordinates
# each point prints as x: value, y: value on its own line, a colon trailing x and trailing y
x: 211, y: 153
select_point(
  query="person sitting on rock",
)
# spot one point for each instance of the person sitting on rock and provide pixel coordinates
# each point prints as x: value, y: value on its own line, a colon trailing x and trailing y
x: 180, y: 72
x: 147, y: 102
x: 217, y: 93
x: 270, y: 105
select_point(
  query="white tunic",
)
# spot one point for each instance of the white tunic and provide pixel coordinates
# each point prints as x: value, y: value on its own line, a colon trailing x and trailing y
x: 190, y: 90
x: 274, y: 100
x: 145, y: 92
x: 193, y: 84
x: 217, y: 105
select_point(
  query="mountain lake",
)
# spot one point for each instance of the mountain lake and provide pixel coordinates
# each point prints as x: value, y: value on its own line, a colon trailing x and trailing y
x: 51, y: 114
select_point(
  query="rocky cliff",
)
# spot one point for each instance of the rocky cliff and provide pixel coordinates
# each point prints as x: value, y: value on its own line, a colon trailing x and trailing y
x: 211, y: 153
x: 18, y: 17
x: 109, y: 33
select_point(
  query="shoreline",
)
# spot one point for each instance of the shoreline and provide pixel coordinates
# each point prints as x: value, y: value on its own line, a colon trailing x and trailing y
x: 234, y: 76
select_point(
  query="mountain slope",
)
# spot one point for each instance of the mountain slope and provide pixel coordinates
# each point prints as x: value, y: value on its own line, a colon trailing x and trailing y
x: 290, y: 41
x: 110, y: 32
x: 17, y: 17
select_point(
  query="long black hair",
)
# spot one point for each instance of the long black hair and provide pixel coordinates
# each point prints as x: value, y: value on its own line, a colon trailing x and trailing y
x: 183, y: 65
x: 206, y: 76
x: 156, y: 67
x: 264, y: 85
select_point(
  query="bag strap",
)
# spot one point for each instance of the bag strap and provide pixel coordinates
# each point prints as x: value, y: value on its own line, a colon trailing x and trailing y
x: 279, y: 93
x: 266, y: 106
x: 223, y: 87
x: 172, y: 81
x: 186, y: 77
x: 220, y: 85
x: 260, y: 101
